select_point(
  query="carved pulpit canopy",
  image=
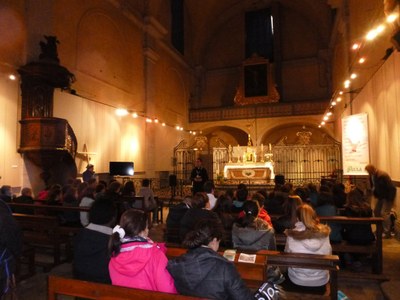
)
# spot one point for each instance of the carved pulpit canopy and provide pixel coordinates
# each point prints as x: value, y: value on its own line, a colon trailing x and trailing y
x: 257, y: 84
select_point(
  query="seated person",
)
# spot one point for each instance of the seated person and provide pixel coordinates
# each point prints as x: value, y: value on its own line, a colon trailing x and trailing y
x: 289, y: 218
x: 91, y: 255
x: 175, y: 215
x: 136, y: 261
x: 357, y: 206
x: 357, y: 234
x: 223, y: 208
x: 202, y: 272
x: 326, y: 207
x: 308, y: 236
x: 251, y: 232
x: 262, y: 214
x: 199, y: 211
x: 25, y: 198
x: 150, y: 204
x: 254, y: 234
x: 241, y: 196
x: 87, y: 201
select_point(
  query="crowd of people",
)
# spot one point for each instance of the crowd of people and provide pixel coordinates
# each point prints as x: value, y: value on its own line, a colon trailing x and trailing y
x: 114, y: 246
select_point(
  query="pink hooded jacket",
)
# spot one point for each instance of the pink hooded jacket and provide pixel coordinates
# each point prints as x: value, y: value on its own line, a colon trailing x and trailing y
x: 142, y: 265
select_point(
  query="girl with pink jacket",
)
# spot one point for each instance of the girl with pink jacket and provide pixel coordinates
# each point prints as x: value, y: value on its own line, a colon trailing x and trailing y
x: 136, y: 261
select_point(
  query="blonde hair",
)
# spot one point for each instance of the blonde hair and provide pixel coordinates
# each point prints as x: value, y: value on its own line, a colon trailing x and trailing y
x: 307, y: 215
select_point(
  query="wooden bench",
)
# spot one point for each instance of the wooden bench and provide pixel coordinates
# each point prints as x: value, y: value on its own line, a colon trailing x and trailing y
x: 374, y: 249
x: 92, y: 290
x: 44, y: 232
x: 27, y: 258
x: 40, y: 209
x: 306, y: 261
x: 254, y: 274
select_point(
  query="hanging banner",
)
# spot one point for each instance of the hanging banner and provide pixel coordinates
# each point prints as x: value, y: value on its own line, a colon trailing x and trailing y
x: 355, y: 145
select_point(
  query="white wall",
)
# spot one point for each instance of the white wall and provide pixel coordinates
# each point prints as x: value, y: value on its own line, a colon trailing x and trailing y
x: 380, y: 99
x: 11, y: 164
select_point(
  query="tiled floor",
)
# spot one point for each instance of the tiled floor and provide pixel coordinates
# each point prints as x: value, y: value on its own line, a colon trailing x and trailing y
x: 351, y: 283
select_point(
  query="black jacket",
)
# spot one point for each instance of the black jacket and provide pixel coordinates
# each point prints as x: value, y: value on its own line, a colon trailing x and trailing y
x: 91, y: 256
x: 202, y: 272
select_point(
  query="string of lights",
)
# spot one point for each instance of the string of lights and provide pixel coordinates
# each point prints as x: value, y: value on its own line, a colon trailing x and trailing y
x: 360, y: 59
x: 121, y: 112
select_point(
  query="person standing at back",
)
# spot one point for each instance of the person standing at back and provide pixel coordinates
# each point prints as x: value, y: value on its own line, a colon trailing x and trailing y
x: 198, y: 176
x: 89, y: 173
x: 384, y: 191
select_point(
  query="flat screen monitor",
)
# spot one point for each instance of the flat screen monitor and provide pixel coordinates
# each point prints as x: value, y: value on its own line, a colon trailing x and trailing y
x: 121, y: 168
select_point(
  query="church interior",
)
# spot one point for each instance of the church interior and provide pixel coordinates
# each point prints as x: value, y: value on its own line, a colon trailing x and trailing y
x: 257, y: 89
x: 160, y: 83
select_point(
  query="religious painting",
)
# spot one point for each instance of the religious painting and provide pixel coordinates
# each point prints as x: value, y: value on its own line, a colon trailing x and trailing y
x: 255, y: 80
x: 257, y: 84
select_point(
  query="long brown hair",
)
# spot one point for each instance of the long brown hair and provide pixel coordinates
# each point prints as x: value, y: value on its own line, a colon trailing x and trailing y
x: 133, y: 221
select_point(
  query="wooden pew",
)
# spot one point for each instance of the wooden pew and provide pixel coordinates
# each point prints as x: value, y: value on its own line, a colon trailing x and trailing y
x: 92, y: 290
x: 307, y: 261
x: 44, y: 232
x: 374, y: 249
x: 254, y: 274
x: 41, y: 207
x: 27, y: 258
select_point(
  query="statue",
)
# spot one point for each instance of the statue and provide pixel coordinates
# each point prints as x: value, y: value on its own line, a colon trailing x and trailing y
x: 49, y: 49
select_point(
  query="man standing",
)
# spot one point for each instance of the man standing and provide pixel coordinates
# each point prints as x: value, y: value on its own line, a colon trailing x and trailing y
x: 198, y: 176
x: 385, y: 192
x: 89, y: 173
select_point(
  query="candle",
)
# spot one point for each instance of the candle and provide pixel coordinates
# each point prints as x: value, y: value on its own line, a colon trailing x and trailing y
x: 270, y: 147
x: 262, y: 148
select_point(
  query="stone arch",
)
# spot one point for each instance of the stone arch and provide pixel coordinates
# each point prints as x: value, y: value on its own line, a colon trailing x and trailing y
x: 287, y: 134
x: 228, y: 134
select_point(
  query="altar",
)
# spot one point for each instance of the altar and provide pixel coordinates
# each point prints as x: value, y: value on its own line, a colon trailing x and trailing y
x: 252, y: 170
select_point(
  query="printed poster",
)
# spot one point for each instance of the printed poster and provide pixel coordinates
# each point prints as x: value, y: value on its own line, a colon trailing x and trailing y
x: 355, y: 145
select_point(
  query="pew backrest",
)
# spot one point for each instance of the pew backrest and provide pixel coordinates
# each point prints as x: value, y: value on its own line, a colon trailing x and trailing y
x: 92, y: 290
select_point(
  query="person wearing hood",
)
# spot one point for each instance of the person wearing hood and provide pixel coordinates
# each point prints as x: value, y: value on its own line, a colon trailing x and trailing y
x: 202, y: 272
x: 308, y: 236
x: 253, y: 233
x: 136, y: 261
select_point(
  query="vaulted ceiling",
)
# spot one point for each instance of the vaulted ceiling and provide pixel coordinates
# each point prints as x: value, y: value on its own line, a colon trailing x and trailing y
x: 207, y: 16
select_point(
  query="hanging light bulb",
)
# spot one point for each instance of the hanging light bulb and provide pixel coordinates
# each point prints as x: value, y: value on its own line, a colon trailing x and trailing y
x: 121, y: 112
x: 392, y: 17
